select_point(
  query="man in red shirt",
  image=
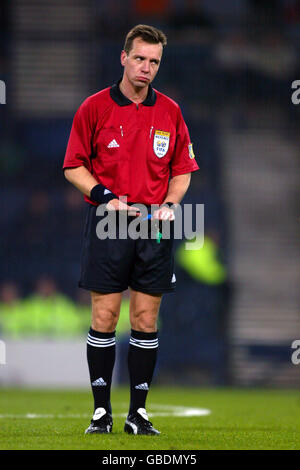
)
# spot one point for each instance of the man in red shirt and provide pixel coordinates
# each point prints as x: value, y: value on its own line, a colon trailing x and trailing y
x: 129, y: 141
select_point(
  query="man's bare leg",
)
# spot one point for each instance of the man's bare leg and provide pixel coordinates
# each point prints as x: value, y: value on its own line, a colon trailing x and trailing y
x: 105, y: 311
x: 144, y: 309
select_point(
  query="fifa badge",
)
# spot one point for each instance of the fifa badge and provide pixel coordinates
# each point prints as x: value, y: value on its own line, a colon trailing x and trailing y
x: 161, y: 143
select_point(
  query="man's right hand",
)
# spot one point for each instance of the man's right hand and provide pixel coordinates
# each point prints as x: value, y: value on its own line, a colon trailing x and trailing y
x: 117, y: 205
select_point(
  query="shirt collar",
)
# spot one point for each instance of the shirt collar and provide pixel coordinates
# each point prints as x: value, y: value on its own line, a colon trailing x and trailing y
x: 122, y: 100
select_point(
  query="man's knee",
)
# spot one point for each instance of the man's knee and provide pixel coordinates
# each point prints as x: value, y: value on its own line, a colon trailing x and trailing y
x: 144, y: 310
x: 104, y: 320
x: 144, y: 321
x: 105, y: 314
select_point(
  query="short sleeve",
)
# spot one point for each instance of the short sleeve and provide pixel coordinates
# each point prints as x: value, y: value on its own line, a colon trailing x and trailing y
x: 79, y: 148
x: 183, y: 160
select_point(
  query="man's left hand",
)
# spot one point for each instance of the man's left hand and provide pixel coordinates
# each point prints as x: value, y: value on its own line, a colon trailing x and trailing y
x: 164, y: 213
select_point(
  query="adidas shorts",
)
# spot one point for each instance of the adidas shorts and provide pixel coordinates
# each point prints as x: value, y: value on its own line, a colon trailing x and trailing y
x: 113, y: 265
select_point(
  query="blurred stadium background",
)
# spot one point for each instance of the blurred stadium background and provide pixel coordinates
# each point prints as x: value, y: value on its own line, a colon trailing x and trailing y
x: 230, y: 65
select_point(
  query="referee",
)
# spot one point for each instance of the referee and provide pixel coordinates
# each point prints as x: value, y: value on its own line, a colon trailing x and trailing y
x: 128, y: 140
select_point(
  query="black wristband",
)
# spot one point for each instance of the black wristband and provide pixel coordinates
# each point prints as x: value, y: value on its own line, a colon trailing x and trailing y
x: 168, y: 204
x: 101, y: 194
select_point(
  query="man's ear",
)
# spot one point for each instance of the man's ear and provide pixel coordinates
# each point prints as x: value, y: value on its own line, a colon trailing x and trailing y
x: 123, y: 57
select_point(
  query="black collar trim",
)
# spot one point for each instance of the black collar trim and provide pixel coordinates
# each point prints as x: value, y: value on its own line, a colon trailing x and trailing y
x: 122, y: 100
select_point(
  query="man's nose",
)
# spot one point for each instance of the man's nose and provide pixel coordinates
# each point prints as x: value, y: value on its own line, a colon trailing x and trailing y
x: 146, y: 66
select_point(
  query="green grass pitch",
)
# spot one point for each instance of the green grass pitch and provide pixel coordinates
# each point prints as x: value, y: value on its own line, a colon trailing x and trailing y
x: 238, y: 419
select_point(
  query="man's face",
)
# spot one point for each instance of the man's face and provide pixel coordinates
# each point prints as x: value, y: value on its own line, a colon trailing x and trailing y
x: 142, y: 63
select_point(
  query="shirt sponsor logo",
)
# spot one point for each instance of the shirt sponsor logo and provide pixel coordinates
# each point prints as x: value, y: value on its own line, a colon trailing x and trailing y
x: 161, y: 143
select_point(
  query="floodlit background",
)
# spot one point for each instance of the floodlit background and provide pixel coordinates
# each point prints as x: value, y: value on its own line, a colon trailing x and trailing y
x: 230, y: 66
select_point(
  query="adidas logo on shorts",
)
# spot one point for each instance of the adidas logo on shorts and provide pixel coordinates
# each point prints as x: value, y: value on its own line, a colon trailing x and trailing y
x: 143, y: 386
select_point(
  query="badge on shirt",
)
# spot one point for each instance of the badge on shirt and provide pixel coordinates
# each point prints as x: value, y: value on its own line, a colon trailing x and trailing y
x: 191, y: 151
x: 161, y: 143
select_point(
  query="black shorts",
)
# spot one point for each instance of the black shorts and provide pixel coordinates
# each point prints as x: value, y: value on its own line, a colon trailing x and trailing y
x: 113, y: 265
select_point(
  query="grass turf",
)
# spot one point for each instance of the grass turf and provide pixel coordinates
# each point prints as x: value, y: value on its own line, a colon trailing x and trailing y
x: 239, y: 419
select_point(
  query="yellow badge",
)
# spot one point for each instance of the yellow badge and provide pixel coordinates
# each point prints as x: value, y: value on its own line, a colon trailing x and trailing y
x: 191, y: 152
x: 161, y: 143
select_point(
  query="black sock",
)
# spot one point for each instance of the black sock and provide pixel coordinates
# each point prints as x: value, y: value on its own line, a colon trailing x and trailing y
x: 141, y: 363
x: 101, y: 351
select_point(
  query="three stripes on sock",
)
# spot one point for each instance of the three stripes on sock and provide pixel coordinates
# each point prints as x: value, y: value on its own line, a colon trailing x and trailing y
x: 142, y: 355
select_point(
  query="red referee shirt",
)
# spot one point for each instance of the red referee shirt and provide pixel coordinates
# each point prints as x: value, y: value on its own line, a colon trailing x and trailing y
x: 131, y: 149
